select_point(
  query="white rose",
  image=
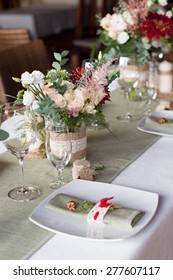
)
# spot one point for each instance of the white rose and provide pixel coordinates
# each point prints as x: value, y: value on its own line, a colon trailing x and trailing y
x: 123, y: 37
x: 117, y: 22
x: 163, y: 2
x: 38, y: 77
x: 105, y: 22
x: 27, y: 78
x: 28, y: 98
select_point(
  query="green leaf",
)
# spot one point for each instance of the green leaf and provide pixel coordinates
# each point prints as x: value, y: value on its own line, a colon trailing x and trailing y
x: 100, y: 166
x: 64, y: 61
x: 56, y: 65
x: 57, y: 56
x: 20, y: 94
x: 18, y: 80
x: 64, y: 53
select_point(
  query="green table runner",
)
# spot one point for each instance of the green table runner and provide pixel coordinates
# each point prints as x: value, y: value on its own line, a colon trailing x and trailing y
x: 19, y: 237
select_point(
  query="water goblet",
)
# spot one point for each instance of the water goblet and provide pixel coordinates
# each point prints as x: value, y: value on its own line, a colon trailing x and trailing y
x: 19, y: 123
x: 58, y: 149
x: 129, y: 75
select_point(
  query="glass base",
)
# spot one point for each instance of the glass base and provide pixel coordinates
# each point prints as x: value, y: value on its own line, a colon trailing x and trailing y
x: 125, y: 118
x: 56, y: 185
x: 28, y: 194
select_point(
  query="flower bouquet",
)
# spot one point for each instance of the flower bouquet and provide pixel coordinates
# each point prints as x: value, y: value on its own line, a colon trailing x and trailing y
x: 74, y: 98
x: 136, y: 27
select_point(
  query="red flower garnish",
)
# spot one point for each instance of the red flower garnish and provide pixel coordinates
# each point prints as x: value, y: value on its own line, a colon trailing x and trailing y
x: 104, y: 202
x: 157, y: 26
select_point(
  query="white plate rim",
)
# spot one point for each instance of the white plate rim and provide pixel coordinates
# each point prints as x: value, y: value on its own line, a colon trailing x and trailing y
x: 39, y: 208
x: 143, y: 126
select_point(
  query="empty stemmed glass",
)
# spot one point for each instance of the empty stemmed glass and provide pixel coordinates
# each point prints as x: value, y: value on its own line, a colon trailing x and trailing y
x: 58, y: 149
x: 129, y: 75
x: 19, y: 123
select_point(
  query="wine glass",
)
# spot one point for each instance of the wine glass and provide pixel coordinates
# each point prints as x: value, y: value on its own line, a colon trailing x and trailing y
x: 58, y: 149
x: 129, y: 76
x: 19, y: 123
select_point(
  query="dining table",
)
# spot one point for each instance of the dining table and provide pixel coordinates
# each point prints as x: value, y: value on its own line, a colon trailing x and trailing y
x: 132, y: 159
x: 40, y: 20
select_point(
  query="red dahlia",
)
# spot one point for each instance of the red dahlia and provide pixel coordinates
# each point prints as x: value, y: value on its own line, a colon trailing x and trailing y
x: 157, y: 26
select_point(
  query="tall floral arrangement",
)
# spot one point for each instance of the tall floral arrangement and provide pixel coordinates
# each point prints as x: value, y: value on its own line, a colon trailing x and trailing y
x: 136, y: 26
x: 69, y: 96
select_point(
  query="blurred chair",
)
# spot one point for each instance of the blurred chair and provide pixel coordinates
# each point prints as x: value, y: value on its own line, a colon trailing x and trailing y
x: 8, y: 4
x: 14, y: 61
x: 13, y: 37
x: 87, y: 25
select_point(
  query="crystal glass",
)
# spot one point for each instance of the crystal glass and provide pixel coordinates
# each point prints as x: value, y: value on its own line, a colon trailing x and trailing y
x: 129, y: 76
x: 58, y: 149
x: 19, y: 123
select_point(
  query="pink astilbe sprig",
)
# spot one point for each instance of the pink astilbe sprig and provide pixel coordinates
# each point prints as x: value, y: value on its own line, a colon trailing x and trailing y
x: 138, y: 11
x: 97, y: 84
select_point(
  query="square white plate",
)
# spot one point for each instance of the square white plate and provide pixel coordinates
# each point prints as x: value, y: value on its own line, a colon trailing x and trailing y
x: 94, y: 191
x: 147, y: 125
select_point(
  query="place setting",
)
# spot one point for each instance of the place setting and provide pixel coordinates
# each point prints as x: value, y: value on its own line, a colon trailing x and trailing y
x: 71, y: 211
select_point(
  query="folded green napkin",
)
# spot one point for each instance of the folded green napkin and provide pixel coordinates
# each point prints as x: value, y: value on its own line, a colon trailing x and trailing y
x: 3, y: 135
x: 116, y: 215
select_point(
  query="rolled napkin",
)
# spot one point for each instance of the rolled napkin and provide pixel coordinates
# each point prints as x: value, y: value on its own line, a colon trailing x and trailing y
x: 115, y: 215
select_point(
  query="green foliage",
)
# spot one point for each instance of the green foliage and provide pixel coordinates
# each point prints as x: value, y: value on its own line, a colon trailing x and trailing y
x: 61, y: 60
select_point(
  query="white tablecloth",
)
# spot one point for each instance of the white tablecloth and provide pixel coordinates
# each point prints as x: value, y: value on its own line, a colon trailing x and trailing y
x: 41, y: 20
x: 152, y: 171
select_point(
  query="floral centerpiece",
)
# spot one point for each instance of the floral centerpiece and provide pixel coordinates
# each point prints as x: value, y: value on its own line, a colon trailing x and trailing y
x: 74, y: 97
x: 136, y: 26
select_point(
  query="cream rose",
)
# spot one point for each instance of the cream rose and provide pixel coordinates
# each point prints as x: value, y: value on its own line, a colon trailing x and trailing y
x: 49, y: 90
x: 59, y: 100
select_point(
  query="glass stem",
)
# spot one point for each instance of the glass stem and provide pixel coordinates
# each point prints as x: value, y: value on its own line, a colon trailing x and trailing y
x: 23, y: 188
x: 60, y: 178
x: 127, y: 103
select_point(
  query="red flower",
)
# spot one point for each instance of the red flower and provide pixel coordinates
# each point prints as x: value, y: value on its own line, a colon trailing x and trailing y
x: 157, y: 26
x: 106, y: 98
x: 77, y: 73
